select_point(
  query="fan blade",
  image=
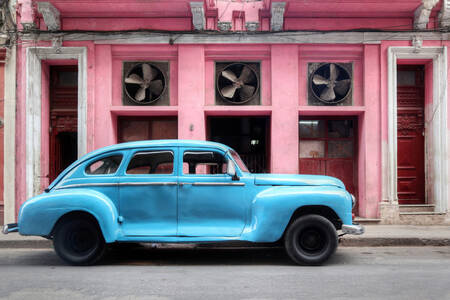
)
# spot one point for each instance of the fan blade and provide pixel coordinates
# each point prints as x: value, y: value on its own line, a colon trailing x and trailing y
x: 246, y: 75
x: 228, y: 91
x: 318, y: 80
x: 156, y: 87
x: 148, y: 72
x: 140, y: 94
x: 246, y: 91
x: 334, y: 72
x: 134, y: 79
x: 328, y: 94
x: 229, y: 75
x: 342, y: 86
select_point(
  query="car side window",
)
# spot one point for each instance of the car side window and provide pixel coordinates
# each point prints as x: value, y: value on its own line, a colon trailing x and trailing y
x: 105, y: 165
x: 204, y: 163
x: 151, y: 162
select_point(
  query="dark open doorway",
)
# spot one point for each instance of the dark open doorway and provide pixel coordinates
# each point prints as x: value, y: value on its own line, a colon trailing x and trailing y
x: 249, y: 136
x: 63, y: 118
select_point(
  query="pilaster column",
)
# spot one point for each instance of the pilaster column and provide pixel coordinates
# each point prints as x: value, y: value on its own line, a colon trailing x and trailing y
x: 191, y: 92
x: 284, y: 133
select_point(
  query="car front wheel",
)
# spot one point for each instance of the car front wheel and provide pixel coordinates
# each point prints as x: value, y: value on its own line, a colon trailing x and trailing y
x: 311, y: 240
x: 78, y: 241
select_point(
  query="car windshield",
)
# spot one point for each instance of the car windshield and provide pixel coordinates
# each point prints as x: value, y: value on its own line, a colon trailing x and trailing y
x: 239, y: 161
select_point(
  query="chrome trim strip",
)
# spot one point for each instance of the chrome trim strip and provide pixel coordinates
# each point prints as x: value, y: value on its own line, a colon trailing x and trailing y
x: 146, y: 183
x: 85, y: 184
x: 356, y: 229
x: 8, y: 228
x: 115, y: 184
x: 217, y: 183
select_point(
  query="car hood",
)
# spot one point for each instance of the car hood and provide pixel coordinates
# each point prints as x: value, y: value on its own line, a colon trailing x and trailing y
x: 297, y: 180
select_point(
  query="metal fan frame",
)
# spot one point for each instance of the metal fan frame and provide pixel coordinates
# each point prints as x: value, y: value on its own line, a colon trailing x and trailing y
x: 248, y: 64
x: 140, y: 63
x: 350, y: 76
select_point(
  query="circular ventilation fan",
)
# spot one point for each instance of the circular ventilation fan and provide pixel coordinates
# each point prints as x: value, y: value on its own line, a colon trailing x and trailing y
x: 145, y: 83
x: 237, y: 83
x: 330, y: 83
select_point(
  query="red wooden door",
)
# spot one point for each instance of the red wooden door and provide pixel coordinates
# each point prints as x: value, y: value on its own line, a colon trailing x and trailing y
x: 410, y: 135
x: 327, y: 147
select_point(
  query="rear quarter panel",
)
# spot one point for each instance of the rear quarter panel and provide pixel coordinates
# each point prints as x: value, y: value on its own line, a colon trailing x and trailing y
x: 39, y: 215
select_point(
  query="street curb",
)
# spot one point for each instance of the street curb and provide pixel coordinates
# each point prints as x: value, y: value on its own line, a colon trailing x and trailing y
x: 32, y: 244
x: 343, y: 242
x: 392, y: 242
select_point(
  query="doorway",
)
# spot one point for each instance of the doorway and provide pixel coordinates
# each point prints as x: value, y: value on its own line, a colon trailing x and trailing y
x: 327, y: 146
x: 410, y: 134
x: 63, y: 118
x: 249, y: 136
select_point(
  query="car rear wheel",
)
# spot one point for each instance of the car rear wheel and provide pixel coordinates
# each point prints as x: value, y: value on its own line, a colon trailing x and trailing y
x: 311, y: 240
x: 78, y: 241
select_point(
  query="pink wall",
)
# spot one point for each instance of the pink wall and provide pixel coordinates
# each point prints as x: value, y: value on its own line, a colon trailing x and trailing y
x: 284, y: 80
x: 192, y: 85
x: 284, y: 134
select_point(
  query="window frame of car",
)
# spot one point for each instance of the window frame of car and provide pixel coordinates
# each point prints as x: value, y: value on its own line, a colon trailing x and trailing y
x: 80, y: 170
x: 98, y: 158
x: 225, y: 154
x: 133, y: 152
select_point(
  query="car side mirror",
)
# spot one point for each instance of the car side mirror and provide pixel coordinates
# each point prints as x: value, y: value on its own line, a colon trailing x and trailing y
x: 231, y: 170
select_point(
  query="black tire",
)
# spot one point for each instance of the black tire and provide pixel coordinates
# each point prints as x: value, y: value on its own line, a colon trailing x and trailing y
x: 311, y: 240
x: 78, y: 241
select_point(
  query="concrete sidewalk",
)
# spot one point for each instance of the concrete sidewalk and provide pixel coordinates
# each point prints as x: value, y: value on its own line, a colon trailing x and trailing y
x: 375, y: 236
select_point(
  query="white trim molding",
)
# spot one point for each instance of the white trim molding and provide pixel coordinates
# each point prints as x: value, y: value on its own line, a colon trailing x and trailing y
x: 435, y: 120
x: 422, y: 14
x: 51, y: 15
x: 444, y: 14
x: 9, y: 138
x: 198, y: 15
x: 33, y: 107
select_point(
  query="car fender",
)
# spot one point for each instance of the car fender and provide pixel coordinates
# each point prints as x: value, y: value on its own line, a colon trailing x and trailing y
x: 273, y: 208
x: 39, y: 214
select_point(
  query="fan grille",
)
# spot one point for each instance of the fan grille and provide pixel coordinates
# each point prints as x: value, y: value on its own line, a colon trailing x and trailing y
x: 145, y: 83
x: 237, y: 83
x: 330, y: 83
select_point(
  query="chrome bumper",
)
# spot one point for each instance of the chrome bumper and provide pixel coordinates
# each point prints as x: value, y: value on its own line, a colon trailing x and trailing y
x: 13, y: 227
x: 353, y: 229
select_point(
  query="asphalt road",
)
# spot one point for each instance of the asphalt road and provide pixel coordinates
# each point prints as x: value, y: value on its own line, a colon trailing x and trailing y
x: 355, y: 273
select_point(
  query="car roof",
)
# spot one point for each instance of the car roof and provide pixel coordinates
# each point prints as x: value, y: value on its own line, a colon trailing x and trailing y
x: 140, y: 144
x: 157, y: 143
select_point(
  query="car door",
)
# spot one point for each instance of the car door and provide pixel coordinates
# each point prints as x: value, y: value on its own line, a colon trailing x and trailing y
x: 210, y: 202
x: 148, y: 193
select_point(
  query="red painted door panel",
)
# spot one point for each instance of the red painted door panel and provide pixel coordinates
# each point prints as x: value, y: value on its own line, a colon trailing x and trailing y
x: 327, y: 147
x: 342, y: 169
x: 314, y: 167
x: 410, y: 136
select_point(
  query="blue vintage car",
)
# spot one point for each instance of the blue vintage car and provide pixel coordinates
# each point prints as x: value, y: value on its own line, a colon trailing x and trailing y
x: 179, y: 191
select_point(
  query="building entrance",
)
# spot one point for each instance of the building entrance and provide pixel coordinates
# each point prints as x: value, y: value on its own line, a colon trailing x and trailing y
x: 249, y: 136
x: 410, y: 135
x: 63, y: 118
x: 328, y: 147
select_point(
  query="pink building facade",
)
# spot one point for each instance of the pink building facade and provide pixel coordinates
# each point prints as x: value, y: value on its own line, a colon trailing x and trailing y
x: 352, y: 89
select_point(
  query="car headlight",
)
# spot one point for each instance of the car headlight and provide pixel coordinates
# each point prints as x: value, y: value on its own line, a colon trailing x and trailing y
x: 353, y: 201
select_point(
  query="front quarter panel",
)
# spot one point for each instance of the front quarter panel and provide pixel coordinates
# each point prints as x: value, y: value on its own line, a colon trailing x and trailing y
x: 39, y: 214
x: 273, y: 208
